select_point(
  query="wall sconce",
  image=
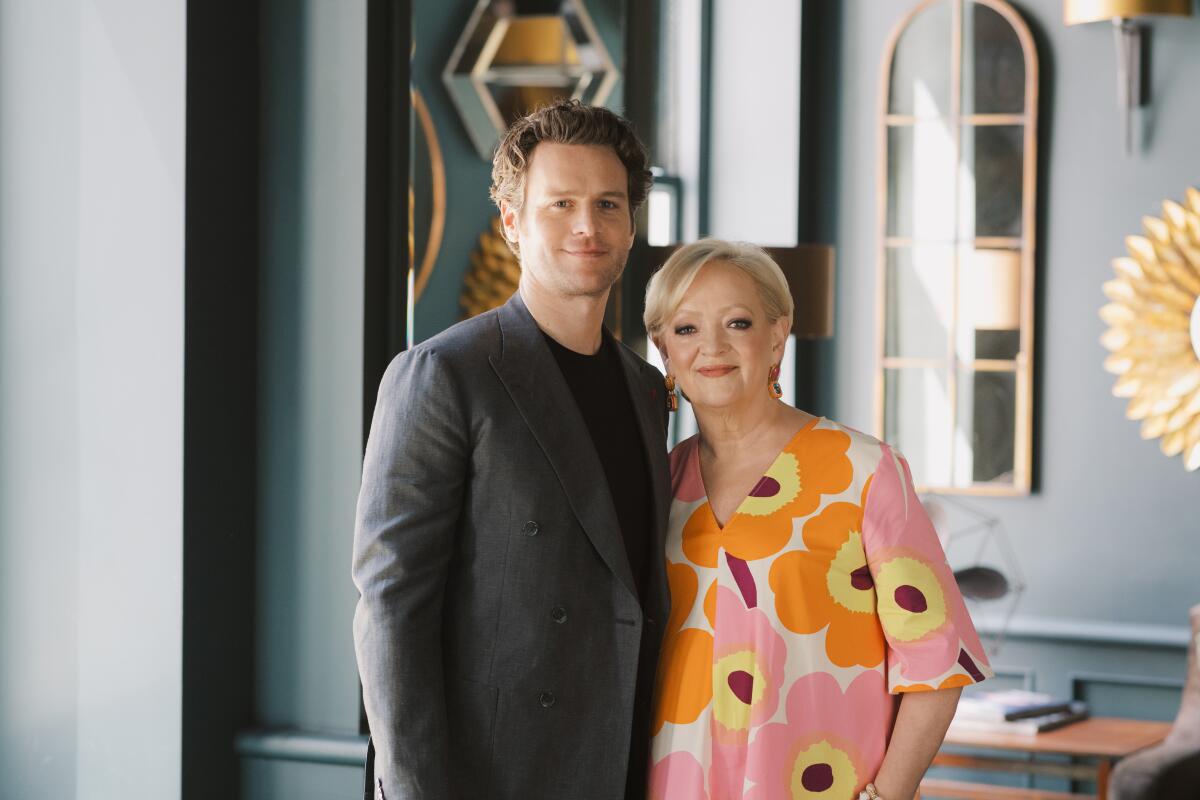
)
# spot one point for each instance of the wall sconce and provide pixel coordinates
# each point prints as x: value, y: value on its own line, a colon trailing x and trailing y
x: 1129, y: 39
x: 809, y: 269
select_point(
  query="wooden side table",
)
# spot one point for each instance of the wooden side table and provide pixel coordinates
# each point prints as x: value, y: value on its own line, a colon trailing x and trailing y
x: 1101, y: 740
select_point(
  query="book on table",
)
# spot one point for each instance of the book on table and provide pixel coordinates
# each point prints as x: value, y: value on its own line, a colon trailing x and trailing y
x: 1024, y: 726
x: 1007, y: 705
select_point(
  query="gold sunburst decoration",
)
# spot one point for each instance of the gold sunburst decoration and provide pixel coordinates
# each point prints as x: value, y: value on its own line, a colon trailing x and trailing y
x: 494, y: 274
x: 1154, y: 329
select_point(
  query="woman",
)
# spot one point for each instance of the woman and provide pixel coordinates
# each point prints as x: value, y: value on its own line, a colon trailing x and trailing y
x: 807, y: 584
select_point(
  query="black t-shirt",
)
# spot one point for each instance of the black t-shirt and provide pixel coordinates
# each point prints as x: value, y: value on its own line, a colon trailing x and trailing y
x: 598, y: 384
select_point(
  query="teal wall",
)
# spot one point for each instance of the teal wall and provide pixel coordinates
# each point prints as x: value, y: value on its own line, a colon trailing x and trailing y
x: 436, y: 28
x: 1108, y: 540
x: 91, y: 397
x: 310, y: 384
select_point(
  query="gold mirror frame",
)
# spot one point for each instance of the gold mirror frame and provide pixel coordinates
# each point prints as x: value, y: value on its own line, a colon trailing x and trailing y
x: 437, y: 198
x: 1023, y: 245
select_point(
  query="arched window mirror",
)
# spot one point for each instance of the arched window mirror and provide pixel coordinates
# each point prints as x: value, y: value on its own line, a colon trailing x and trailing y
x: 956, y: 215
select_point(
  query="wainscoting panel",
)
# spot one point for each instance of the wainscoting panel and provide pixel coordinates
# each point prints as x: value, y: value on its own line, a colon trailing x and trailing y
x: 1138, y: 696
x: 1012, y: 678
x: 1118, y: 672
x: 272, y: 779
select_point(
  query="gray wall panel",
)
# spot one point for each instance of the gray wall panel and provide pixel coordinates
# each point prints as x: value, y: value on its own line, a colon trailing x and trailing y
x: 91, y: 405
x: 39, y: 542
x: 1110, y: 534
x: 129, y: 309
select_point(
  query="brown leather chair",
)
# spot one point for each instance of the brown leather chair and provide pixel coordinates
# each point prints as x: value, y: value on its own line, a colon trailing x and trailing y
x: 1170, y: 769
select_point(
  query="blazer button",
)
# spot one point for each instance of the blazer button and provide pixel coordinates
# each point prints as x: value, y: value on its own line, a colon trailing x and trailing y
x: 559, y: 614
x: 530, y: 528
x: 546, y: 699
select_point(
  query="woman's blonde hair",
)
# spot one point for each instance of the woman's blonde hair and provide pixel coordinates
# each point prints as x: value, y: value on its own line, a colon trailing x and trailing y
x: 667, y: 287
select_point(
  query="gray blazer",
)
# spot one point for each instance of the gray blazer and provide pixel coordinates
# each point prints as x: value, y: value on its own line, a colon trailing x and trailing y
x: 498, y: 629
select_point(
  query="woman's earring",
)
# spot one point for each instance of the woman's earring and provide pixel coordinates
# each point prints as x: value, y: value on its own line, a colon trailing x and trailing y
x: 773, y: 383
x: 672, y: 398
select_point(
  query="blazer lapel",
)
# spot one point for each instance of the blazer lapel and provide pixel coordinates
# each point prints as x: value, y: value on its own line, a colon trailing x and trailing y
x: 532, y: 378
x: 648, y: 404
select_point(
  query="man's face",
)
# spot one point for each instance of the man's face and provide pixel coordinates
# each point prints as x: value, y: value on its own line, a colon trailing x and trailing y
x: 574, y: 229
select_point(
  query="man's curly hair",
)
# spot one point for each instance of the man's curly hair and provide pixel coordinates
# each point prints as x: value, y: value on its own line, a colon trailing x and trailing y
x: 567, y: 122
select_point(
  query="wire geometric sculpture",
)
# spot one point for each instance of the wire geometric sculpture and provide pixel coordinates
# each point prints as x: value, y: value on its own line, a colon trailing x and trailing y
x: 959, y: 525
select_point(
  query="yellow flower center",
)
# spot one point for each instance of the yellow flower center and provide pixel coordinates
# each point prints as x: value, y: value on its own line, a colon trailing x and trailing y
x: 738, y: 684
x: 778, y: 487
x: 823, y: 771
x: 911, y: 602
x: 849, y: 580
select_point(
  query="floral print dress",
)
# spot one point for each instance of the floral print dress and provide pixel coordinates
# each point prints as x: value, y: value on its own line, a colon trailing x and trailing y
x: 791, y: 628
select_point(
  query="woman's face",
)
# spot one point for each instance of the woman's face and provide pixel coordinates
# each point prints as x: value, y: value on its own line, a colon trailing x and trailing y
x: 719, y: 344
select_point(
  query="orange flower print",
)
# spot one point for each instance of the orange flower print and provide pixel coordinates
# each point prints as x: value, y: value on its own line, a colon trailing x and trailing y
x: 684, y: 684
x: 814, y: 463
x: 829, y: 585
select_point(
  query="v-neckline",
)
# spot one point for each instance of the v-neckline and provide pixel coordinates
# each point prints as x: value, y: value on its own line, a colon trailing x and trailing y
x: 738, y: 510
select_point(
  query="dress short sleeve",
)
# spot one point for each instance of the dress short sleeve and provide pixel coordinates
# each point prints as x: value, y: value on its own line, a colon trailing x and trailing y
x: 932, y: 643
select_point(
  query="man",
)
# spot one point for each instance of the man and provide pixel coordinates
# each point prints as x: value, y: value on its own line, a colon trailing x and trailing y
x: 508, y: 548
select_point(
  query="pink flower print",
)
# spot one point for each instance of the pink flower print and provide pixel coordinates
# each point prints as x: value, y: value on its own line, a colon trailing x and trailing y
x: 748, y: 671
x: 678, y: 776
x: 748, y: 664
x: 798, y: 759
x: 920, y: 608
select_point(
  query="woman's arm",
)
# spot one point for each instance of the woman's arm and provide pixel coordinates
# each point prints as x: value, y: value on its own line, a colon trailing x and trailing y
x: 920, y: 727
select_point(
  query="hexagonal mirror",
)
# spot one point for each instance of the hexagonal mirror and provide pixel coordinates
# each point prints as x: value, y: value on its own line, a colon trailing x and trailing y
x: 515, y: 55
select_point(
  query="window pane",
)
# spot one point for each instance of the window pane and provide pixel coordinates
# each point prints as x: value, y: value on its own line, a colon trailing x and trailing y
x: 921, y: 181
x: 919, y: 301
x: 992, y: 180
x: 917, y: 421
x: 987, y: 413
x: 993, y: 63
x: 920, y: 84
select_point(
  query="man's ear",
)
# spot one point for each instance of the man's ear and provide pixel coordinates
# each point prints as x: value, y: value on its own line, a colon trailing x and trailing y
x: 509, y: 219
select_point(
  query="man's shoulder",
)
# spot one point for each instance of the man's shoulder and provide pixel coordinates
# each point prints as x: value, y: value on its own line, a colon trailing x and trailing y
x: 460, y: 351
x: 463, y: 344
x: 472, y: 338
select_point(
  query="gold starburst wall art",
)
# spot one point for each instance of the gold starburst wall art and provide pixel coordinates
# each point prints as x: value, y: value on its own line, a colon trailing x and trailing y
x: 1154, y: 329
x: 494, y: 275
